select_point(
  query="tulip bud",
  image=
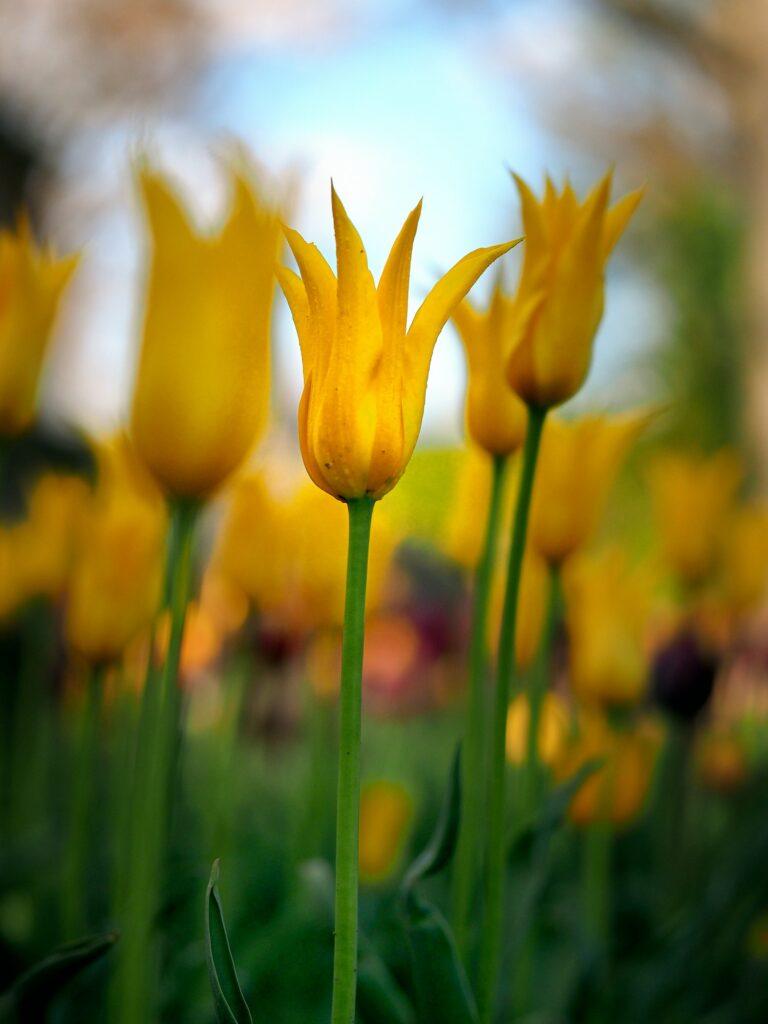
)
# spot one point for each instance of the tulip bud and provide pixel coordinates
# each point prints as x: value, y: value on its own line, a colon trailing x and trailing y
x: 683, y: 676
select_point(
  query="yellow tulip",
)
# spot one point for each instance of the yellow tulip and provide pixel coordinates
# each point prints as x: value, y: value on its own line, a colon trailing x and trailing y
x: 577, y: 465
x: 32, y: 283
x: 44, y: 542
x: 298, y: 575
x: 462, y: 534
x: 495, y: 415
x: 692, y: 497
x: 386, y: 809
x: 744, y: 559
x: 532, y: 608
x: 115, y: 583
x: 559, y: 301
x: 553, y: 729
x: 607, y: 609
x: 616, y: 792
x: 201, y: 394
x: 365, y: 375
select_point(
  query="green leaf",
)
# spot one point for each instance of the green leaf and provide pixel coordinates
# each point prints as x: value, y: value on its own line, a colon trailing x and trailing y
x: 539, y: 829
x: 31, y: 995
x: 442, y: 989
x: 440, y: 849
x: 231, y: 1007
x: 380, y: 999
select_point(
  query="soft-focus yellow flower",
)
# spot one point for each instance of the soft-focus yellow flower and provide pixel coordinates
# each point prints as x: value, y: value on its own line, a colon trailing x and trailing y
x: 462, y: 533
x: 44, y: 542
x: 559, y: 301
x: 692, y: 497
x: 202, y: 387
x: 365, y: 375
x: 495, y: 415
x: 616, y: 792
x: 386, y: 809
x: 114, y: 587
x: 289, y: 556
x: 721, y: 763
x: 744, y: 558
x: 32, y: 282
x: 608, y: 603
x: 554, y: 727
x: 577, y: 465
x: 531, y: 610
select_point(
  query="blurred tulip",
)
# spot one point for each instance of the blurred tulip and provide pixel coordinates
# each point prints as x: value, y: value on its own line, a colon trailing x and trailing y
x: 578, y: 463
x: 298, y: 576
x: 692, y: 497
x: 386, y: 809
x: 607, y: 609
x: 114, y: 588
x: 32, y: 283
x: 744, y: 560
x: 554, y: 727
x: 495, y: 415
x: 44, y: 542
x: 559, y: 301
x: 721, y: 763
x: 462, y: 535
x: 617, y: 790
x: 202, y: 388
x: 683, y: 676
x: 365, y: 376
x: 534, y: 591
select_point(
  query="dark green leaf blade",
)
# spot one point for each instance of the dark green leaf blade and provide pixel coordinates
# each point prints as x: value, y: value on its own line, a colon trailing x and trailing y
x: 440, y: 849
x: 231, y: 1007
x: 442, y: 989
x: 32, y: 994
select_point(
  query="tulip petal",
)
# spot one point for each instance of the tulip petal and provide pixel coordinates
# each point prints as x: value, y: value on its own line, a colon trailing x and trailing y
x: 395, y: 278
x: 320, y: 284
x: 429, y: 321
x: 618, y: 217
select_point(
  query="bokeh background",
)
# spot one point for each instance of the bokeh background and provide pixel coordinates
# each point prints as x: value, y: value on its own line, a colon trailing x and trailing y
x: 396, y: 100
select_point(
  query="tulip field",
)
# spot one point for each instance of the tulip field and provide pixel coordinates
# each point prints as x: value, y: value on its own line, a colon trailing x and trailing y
x: 360, y: 728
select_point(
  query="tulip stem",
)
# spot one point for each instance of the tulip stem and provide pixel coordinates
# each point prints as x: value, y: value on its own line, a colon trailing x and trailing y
x: 80, y: 839
x: 473, y: 759
x: 537, y: 692
x: 153, y: 790
x: 491, y: 945
x: 348, y: 794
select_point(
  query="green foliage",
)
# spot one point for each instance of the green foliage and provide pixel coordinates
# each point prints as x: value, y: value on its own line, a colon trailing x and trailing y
x: 695, y: 251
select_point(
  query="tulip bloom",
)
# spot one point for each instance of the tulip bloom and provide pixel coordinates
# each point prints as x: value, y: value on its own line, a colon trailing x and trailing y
x: 693, y: 496
x: 607, y: 610
x: 32, y: 284
x: 365, y: 375
x: 559, y: 300
x: 578, y: 463
x: 617, y: 791
x: 386, y: 809
x: 114, y: 587
x: 743, y: 572
x: 495, y: 415
x: 552, y: 732
x: 201, y: 393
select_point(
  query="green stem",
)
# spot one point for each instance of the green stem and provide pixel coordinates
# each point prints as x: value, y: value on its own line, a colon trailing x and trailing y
x: 490, y: 951
x: 80, y: 844
x: 537, y: 691
x: 348, y: 793
x: 153, y: 793
x: 598, y: 841
x: 473, y: 760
